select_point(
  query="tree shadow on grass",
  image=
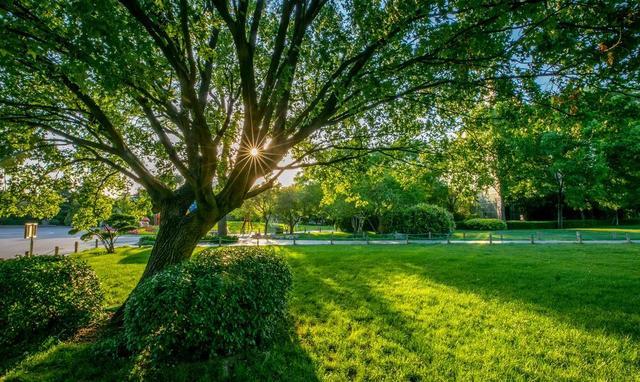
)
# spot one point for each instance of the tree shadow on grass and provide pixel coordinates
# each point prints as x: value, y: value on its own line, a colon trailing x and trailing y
x: 592, y: 288
x: 134, y: 256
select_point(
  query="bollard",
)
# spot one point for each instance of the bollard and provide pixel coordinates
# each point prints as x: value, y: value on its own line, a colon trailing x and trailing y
x: 56, y: 250
x: 219, y: 241
x: 31, y: 247
x: 429, y: 235
x: 490, y: 238
x: 532, y: 242
x: 75, y: 247
x: 448, y: 238
x: 406, y: 238
x: 331, y: 238
x: 96, y: 243
x: 579, y: 237
x: 257, y: 241
x: 628, y: 239
x: 294, y: 239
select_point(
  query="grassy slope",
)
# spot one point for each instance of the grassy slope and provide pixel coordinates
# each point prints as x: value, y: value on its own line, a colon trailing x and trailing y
x: 418, y: 313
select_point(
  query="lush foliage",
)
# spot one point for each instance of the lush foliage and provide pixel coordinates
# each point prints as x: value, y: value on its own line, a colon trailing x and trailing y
x: 199, y: 102
x: 223, y: 301
x: 45, y: 295
x: 484, y: 224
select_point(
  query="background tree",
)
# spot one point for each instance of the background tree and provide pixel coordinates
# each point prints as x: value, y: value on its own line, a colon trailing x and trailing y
x: 109, y: 231
x: 289, y: 207
x: 262, y: 206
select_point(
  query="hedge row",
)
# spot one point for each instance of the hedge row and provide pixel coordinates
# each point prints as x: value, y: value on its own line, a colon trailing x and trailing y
x: 574, y: 223
x: 484, y: 224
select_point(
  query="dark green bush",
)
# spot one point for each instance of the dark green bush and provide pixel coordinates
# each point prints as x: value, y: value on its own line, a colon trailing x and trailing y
x: 519, y: 224
x: 147, y: 240
x: 223, y: 301
x: 480, y: 224
x: 421, y: 218
x: 45, y: 295
x: 214, y: 238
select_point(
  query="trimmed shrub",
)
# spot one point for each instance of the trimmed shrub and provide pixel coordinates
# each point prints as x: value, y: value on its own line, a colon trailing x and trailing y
x: 519, y: 224
x: 226, y: 239
x: 484, y: 224
x: 421, y: 218
x: 221, y: 302
x: 53, y: 295
x: 146, y: 240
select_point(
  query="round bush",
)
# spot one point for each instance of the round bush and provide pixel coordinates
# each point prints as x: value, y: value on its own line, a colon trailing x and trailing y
x: 420, y: 219
x: 221, y: 302
x: 485, y: 224
x: 46, y: 295
x: 147, y: 240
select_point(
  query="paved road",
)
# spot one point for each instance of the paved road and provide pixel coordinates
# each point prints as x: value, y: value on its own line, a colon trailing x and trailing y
x: 12, y: 242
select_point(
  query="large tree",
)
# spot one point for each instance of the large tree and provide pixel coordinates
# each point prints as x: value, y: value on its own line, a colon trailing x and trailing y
x: 197, y: 101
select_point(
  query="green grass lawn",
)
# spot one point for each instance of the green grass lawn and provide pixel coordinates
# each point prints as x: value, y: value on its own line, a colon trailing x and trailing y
x: 411, y: 313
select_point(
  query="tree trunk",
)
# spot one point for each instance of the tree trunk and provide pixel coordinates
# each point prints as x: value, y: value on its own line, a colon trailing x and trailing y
x: 222, y: 226
x: 178, y: 236
x: 266, y: 226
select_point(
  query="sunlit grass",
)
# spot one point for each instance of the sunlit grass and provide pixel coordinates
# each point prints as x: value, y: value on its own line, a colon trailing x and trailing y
x: 417, y: 313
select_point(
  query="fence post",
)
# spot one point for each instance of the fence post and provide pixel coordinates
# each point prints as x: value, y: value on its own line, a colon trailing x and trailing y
x: 532, y: 241
x: 406, y: 238
x: 501, y: 238
x: 331, y: 238
x: 490, y: 238
x: 96, y: 243
x: 579, y: 237
x: 294, y: 239
x: 448, y: 237
x: 56, y: 250
x: 219, y: 241
x: 628, y: 239
x: 429, y: 235
x: 464, y: 235
x: 75, y: 247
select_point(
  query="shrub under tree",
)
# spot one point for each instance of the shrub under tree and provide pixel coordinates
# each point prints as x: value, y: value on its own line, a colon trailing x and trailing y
x: 222, y: 301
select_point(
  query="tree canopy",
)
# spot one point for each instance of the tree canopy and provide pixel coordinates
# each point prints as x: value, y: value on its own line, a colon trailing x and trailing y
x: 205, y: 103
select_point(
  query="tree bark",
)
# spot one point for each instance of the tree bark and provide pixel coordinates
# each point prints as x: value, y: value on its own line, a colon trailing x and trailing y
x: 176, y: 240
x: 266, y: 226
x: 222, y: 226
